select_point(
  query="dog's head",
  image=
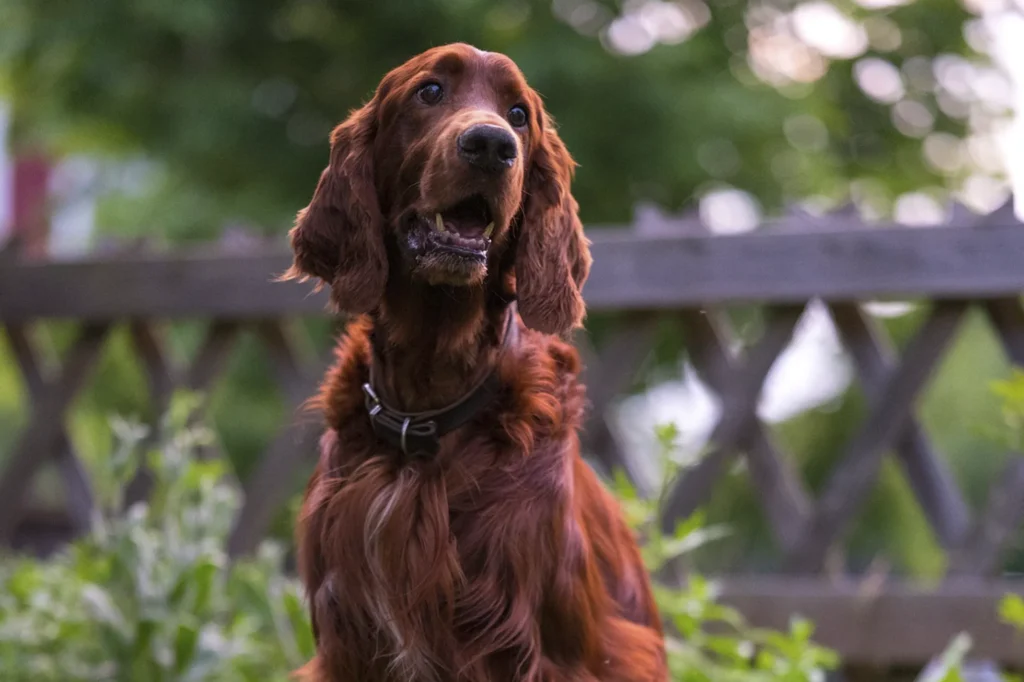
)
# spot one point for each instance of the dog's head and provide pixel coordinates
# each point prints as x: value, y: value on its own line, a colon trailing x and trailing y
x: 454, y: 164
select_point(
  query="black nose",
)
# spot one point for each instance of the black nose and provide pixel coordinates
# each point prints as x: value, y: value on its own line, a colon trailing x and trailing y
x: 488, y: 147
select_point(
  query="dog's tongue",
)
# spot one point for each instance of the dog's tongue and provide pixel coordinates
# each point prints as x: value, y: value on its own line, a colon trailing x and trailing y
x: 469, y: 217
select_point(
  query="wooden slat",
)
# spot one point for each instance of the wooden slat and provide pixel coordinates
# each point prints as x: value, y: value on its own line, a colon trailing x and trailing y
x: 46, y: 425
x: 1007, y: 318
x: 738, y: 397
x: 607, y: 374
x: 292, y: 451
x: 211, y: 358
x: 163, y: 378
x: 79, y: 498
x: 295, y: 377
x: 898, y: 625
x: 929, y: 478
x: 27, y: 358
x: 630, y: 271
x: 42, y: 532
x: 156, y: 364
x: 979, y: 556
x: 851, y: 480
x: 778, y: 485
x: 77, y: 486
x: 156, y: 286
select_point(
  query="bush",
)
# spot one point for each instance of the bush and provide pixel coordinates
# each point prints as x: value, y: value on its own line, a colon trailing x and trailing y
x: 150, y: 594
x: 709, y: 642
x: 949, y: 666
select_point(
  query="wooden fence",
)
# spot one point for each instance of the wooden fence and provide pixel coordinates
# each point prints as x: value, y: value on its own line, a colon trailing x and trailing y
x: 656, y: 269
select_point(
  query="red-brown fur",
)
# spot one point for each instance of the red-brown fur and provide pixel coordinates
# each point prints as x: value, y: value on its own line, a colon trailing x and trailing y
x: 502, y: 558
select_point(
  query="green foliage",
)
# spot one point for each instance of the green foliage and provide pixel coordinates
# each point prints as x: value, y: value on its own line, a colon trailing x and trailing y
x: 1011, y: 394
x: 710, y: 642
x: 150, y: 594
x: 1011, y: 610
x: 234, y: 98
x: 231, y: 101
x: 1010, y: 437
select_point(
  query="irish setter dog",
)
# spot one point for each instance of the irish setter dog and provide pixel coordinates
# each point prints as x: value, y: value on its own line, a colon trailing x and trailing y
x: 451, y: 530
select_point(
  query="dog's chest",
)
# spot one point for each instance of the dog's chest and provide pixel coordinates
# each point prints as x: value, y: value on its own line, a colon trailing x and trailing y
x: 444, y: 573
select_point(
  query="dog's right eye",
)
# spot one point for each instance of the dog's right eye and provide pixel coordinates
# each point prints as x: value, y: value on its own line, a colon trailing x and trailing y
x: 431, y: 93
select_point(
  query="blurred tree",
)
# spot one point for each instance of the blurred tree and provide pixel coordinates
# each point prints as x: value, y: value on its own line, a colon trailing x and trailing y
x: 227, y: 105
x: 233, y: 99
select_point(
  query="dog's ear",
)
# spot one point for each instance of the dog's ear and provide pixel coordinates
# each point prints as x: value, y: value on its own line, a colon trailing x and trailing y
x: 552, y: 258
x: 338, y: 238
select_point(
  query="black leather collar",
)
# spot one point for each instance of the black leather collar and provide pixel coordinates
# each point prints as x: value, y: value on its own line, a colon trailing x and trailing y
x: 418, y: 434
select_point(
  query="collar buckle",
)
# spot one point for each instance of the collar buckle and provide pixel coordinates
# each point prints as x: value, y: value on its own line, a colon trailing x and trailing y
x: 413, y: 435
x: 418, y: 434
x: 373, y: 403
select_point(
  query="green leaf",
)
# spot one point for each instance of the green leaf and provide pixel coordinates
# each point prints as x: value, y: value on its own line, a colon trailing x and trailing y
x: 102, y: 610
x: 1011, y: 610
x: 142, y: 652
x: 185, y: 641
x: 667, y: 435
x: 299, y: 618
x: 204, y: 577
x: 801, y: 629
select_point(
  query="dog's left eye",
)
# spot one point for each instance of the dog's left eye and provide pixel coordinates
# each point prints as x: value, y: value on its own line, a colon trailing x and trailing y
x: 431, y: 93
x: 517, y: 117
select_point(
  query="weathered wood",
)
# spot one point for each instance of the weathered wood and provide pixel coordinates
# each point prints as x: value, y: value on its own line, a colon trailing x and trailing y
x: 898, y: 625
x: 27, y: 358
x: 156, y: 364
x: 607, y: 373
x: 851, y: 480
x: 161, y: 381
x: 79, y: 498
x: 979, y: 555
x: 664, y: 269
x: 46, y: 425
x: 293, y: 375
x: 739, y: 396
x: 42, y: 532
x: 930, y: 480
x: 291, y: 452
x: 205, y: 285
x: 1007, y: 318
x: 77, y: 486
x: 163, y: 378
x: 211, y: 358
x: 777, y: 484
x: 666, y: 273
x: 630, y: 272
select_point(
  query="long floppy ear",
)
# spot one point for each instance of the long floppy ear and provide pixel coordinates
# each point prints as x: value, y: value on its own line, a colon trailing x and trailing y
x: 338, y: 237
x: 552, y: 255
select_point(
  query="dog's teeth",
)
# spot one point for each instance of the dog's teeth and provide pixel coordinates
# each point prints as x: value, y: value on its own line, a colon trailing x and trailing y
x: 488, y: 230
x: 438, y: 222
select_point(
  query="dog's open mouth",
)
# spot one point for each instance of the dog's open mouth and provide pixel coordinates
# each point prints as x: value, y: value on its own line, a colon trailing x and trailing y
x: 464, y: 228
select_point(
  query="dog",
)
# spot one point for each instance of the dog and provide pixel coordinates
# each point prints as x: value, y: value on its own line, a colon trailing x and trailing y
x: 451, y: 529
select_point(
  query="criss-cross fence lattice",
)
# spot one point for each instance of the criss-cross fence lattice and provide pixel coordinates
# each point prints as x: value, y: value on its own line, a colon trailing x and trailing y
x: 660, y: 268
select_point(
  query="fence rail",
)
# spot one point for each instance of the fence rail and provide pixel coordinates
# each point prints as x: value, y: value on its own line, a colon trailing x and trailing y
x: 631, y: 272
x: 648, y: 272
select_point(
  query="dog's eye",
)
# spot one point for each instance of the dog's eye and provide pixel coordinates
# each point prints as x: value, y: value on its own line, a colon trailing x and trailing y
x: 517, y: 117
x: 431, y: 93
